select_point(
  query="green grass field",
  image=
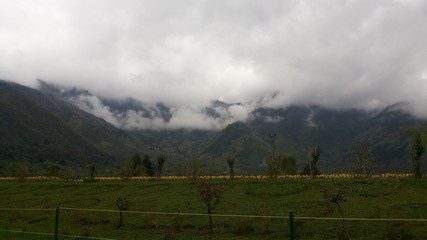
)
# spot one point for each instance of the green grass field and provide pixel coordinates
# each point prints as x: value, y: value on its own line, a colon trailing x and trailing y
x: 390, y: 198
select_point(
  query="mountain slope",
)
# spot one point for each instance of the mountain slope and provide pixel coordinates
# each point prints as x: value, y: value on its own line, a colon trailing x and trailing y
x: 36, y: 128
x: 299, y: 129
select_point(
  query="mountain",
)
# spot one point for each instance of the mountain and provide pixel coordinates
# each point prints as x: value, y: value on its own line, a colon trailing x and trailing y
x: 298, y: 129
x: 37, y: 127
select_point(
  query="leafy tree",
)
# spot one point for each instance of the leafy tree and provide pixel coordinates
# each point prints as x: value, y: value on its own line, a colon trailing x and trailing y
x: 314, y: 158
x: 230, y: 163
x: 281, y: 164
x: 417, y: 147
x: 18, y: 170
x: 149, y: 169
x: 363, y: 160
x: 52, y: 169
x: 288, y: 165
x: 92, y: 169
x: 210, y: 195
x: 161, y: 159
x: 122, y: 204
x: 137, y: 165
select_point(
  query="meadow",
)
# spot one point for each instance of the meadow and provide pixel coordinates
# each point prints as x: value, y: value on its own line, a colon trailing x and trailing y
x: 383, y: 197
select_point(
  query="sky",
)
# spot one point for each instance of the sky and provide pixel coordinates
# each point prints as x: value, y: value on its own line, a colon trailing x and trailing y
x: 185, y: 54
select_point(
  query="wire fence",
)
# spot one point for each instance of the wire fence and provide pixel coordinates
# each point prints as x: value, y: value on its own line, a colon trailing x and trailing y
x: 59, y: 211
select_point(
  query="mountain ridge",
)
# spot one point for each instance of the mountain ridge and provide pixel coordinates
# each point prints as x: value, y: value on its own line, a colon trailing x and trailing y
x: 40, y: 128
x: 298, y: 129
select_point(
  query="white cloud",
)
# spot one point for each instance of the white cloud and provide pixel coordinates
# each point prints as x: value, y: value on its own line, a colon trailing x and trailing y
x: 187, y: 53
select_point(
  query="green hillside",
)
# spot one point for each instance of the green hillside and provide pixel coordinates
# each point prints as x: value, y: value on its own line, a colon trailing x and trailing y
x: 39, y: 128
x: 300, y: 128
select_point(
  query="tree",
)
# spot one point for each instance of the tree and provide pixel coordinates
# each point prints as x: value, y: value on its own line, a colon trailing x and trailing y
x: 314, y: 158
x: 274, y: 167
x: 122, y: 204
x: 161, y: 159
x: 417, y: 147
x: 68, y: 173
x: 337, y: 197
x: 194, y: 167
x: 281, y: 164
x: 288, y: 165
x: 92, y: 169
x: 52, y: 169
x: 210, y: 196
x: 126, y: 170
x: 137, y: 165
x: 363, y: 161
x: 149, y: 169
x: 18, y: 170
x: 230, y: 163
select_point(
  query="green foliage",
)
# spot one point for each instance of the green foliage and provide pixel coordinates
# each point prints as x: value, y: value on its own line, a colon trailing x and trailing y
x: 122, y: 204
x: 288, y: 163
x: 92, y: 169
x: 161, y: 159
x: 314, y: 158
x: 18, y: 170
x: 52, y: 170
x: 149, y: 169
x: 417, y: 147
x: 281, y: 164
x: 137, y: 165
x: 230, y: 163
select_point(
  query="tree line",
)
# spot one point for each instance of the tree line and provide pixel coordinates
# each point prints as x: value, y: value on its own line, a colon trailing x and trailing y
x: 362, y: 163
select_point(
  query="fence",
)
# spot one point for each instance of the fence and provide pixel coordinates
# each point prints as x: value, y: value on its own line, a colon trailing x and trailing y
x: 57, y: 218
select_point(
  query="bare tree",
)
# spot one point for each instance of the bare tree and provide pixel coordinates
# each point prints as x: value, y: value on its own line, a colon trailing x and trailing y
x: 194, y: 167
x: 210, y: 195
x: 337, y: 197
x: 274, y: 167
x: 363, y: 160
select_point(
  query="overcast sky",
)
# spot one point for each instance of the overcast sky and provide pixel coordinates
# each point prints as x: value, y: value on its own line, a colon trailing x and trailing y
x: 336, y: 53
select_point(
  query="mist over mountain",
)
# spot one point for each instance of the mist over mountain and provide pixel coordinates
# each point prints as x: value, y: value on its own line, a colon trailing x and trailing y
x: 40, y: 128
x: 129, y: 113
x: 298, y: 128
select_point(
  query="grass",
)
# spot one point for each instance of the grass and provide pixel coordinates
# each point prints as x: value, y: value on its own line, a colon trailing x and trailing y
x: 371, y: 198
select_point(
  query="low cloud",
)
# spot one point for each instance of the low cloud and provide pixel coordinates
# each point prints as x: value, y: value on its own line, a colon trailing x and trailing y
x: 182, y: 117
x: 186, y: 54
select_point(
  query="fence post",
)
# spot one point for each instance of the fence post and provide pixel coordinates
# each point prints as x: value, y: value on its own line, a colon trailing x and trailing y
x: 291, y: 224
x: 55, y: 237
